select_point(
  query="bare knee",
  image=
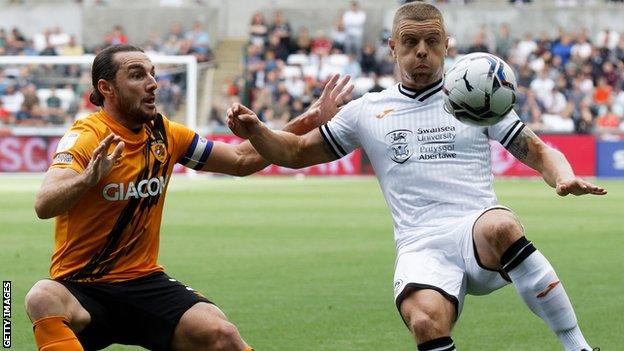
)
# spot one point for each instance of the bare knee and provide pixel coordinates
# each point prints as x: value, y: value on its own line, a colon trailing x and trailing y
x: 44, y: 300
x: 218, y: 336
x: 494, y: 232
x: 428, y: 315
x: 505, y: 232
x: 425, y: 327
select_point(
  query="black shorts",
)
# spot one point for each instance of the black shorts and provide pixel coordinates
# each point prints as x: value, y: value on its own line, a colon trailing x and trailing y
x: 143, y: 311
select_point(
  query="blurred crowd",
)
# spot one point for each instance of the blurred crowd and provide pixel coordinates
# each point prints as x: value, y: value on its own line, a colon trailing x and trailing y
x: 567, y: 83
x: 46, y: 95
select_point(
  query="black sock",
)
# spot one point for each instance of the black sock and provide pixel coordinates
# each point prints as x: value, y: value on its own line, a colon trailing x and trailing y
x: 440, y: 344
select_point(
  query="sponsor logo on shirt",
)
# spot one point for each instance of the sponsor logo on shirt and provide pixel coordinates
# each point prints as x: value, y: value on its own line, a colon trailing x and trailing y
x: 399, y: 145
x: 144, y: 188
x: 63, y: 158
x: 384, y: 113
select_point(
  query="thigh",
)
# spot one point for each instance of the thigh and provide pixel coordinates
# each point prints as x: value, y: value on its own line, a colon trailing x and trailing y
x: 99, y: 332
x: 481, y: 280
x: 151, y: 308
x: 431, y: 263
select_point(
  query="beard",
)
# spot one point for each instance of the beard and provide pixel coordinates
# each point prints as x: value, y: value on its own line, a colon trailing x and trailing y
x: 132, y: 109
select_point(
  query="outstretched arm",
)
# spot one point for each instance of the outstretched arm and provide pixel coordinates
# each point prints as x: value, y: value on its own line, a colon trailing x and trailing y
x: 243, y: 159
x: 552, y: 165
x: 280, y: 147
x: 62, y: 188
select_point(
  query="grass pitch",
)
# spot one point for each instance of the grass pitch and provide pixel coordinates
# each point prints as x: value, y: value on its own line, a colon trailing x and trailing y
x: 308, y: 264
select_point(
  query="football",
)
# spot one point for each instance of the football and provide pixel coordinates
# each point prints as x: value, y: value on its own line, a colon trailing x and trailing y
x: 479, y: 89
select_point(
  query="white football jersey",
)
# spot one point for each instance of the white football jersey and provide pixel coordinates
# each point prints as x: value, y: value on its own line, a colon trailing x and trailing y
x: 431, y: 167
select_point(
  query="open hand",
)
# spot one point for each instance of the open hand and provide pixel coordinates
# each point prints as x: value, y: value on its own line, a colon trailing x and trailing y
x: 335, y: 94
x: 578, y: 186
x: 101, y: 163
x: 242, y: 121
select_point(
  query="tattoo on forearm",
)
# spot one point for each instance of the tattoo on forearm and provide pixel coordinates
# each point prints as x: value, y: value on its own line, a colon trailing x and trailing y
x: 519, y: 147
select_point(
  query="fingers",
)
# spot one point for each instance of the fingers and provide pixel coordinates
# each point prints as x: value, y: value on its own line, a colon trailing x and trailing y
x: 343, y: 96
x: 103, y: 146
x: 339, y: 87
x: 117, y: 152
x: 329, y: 86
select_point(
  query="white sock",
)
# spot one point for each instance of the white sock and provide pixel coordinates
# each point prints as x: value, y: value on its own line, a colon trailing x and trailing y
x: 538, y: 285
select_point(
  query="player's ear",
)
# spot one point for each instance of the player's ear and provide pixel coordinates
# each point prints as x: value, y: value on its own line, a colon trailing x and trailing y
x: 446, y: 45
x: 392, y: 45
x: 105, y: 88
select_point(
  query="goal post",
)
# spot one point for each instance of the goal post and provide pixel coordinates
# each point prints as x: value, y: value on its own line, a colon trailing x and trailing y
x: 188, y: 61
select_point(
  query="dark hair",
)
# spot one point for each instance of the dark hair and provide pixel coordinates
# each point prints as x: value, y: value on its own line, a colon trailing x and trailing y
x: 105, y: 67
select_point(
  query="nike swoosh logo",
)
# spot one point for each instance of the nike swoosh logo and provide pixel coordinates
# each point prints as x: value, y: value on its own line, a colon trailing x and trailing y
x: 384, y: 113
x: 550, y: 287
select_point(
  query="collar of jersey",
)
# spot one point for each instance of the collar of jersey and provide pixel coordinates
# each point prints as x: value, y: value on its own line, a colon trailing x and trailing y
x: 127, y: 135
x: 421, y: 94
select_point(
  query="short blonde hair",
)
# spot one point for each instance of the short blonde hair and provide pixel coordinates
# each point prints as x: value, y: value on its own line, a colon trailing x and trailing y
x: 416, y: 11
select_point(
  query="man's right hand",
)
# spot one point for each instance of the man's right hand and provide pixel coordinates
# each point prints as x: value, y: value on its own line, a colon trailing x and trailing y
x: 242, y: 121
x: 101, y: 163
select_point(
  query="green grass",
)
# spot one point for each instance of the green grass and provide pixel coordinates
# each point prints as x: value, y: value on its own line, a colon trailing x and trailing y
x: 308, y: 265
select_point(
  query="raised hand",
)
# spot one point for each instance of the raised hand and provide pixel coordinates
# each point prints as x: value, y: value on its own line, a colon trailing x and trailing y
x: 101, y: 163
x: 335, y: 94
x: 241, y: 120
x: 578, y: 186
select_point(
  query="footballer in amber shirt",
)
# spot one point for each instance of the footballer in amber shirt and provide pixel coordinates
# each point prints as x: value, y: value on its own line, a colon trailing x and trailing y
x: 112, y: 233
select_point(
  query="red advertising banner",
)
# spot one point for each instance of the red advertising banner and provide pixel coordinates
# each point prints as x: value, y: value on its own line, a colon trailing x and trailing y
x: 580, y: 150
x: 348, y: 165
x: 26, y: 153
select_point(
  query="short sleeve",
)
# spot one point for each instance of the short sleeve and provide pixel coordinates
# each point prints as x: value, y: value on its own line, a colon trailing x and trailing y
x: 189, y: 148
x: 75, y: 148
x: 506, y: 131
x: 341, y: 133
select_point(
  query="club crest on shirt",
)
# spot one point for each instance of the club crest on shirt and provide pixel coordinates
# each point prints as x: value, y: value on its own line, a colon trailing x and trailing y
x: 159, y: 150
x: 399, y: 145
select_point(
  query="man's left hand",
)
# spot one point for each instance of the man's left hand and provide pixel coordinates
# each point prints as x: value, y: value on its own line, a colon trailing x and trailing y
x: 578, y: 186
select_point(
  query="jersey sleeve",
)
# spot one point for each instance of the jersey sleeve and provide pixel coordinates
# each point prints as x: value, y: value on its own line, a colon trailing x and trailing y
x: 75, y: 148
x: 341, y: 133
x: 506, y: 131
x: 189, y: 148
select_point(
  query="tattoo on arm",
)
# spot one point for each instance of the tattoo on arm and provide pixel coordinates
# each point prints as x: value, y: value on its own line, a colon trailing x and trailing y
x: 519, y: 147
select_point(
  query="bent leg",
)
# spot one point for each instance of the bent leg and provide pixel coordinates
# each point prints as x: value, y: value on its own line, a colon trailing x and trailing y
x: 501, y: 245
x: 56, y: 315
x: 205, y: 327
x: 429, y: 316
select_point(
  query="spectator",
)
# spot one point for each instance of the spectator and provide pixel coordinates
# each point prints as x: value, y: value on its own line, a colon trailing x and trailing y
x: 303, y: 42
x: 72, y: 48
x: 478, y: 44
x: 199, y: 39
x: 258, y: 29
x: 524, y: 49
x: 321, y: 45
x: 338, y: 35
x: 281, y: 28
x: 602, y: 93
x: 354, y: 19
x: 607, y: 38
x: 117, y: 36
x: 368, y: 63
x: 504, y: 41
x: 582, y: 49
x: 563, y: 49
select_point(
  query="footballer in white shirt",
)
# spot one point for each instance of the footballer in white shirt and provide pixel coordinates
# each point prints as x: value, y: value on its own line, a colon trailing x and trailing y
x: 452, y: 236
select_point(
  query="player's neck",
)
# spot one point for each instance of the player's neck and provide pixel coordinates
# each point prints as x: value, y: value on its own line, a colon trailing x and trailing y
x: 417, y: 87
x: 121, y: 119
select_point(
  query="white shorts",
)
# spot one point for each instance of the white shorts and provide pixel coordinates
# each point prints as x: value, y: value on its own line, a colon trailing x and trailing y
x: 444, y: 260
